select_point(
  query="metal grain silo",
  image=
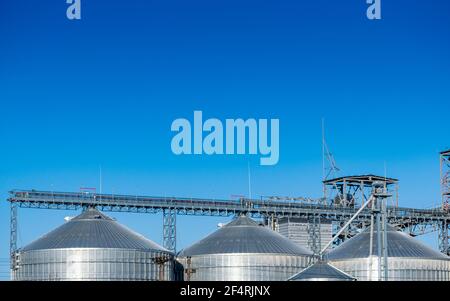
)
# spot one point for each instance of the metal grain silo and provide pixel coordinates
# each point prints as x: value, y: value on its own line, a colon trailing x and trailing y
x: 93, y: 246
x: 408, y: 259
x: 243, y: 251
x: 322, y: 271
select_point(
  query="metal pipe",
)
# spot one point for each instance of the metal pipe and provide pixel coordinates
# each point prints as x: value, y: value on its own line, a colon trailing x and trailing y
x: 379, y: 240
x: 346, y: 225
x: 385, y: 242
x: 372, y: 220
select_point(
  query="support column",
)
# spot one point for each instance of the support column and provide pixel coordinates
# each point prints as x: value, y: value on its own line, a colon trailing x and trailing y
x: 379, y: 240
x: 444, y: 238
x: 272, y: 223
x: 384, y: 230
x: 169, y: 229
x: 380, y: 215
x: 445, y: 191
x: 13, y: 234
x: 314, y: 239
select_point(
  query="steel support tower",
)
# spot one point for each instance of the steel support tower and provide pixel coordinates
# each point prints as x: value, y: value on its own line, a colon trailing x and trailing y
x: 313, y: 230
x: 13, y: 233
x: 353, y: 191
x: 445, y: 194
x: 170, y: 229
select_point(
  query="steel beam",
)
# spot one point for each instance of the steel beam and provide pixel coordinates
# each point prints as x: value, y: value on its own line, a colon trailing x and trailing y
x: 404, y: 218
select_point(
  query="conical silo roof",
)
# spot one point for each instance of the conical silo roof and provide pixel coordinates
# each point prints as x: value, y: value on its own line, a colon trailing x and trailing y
x: 322, y: 271
x: 244, y: 235
x: 399, y: 245
x: 93, y: 229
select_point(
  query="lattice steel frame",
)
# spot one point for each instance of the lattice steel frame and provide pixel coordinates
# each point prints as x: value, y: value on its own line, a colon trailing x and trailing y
x: 417, y: 221
x: 358, y: 188
x: 445, y: 194
x: 13, y: 233
x: 314, y: 237
x: 445, y: 179
x: 170, y: 229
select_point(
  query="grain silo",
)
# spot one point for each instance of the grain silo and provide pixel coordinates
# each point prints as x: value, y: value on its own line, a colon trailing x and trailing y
x: 93, y: 246
x: 243, y: 250
x: 408, y: 259
x: 322, y: 271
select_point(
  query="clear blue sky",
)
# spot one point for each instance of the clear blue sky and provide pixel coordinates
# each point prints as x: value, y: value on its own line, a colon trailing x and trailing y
x: 103, y: 91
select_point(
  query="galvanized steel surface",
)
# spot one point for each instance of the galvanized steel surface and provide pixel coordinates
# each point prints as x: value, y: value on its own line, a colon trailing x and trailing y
x: 244, y: 235
x: 408, y: 259
x: 93, y: 229
x: 400, y: 269
x: 243, y: 267
x: 90, y: 247
x: 93, y: 265
x: 399, y: 245
x: 322, y: 271
x: 243, y: 251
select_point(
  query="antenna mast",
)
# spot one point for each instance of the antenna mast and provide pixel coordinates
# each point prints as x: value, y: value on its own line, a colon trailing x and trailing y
x: 249, y: 182
x: 327, y: 157
x: 101, y: 180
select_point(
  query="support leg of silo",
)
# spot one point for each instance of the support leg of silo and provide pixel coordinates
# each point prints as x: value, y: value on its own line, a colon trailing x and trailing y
x: 169, y: 229
x: 13, y: 234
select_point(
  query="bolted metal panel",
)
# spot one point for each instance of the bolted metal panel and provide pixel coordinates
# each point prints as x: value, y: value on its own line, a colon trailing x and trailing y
x: 311, y: 234
x: 93, y: 229
x: 244, y: 235
x: 408, y: 259
x: 322, y: 271
x: 400, y: 269
x: 93, y: 246
x: 83, y: 264
x: 399, y: 245
x: 243, y: 267
x: 243, y: 250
